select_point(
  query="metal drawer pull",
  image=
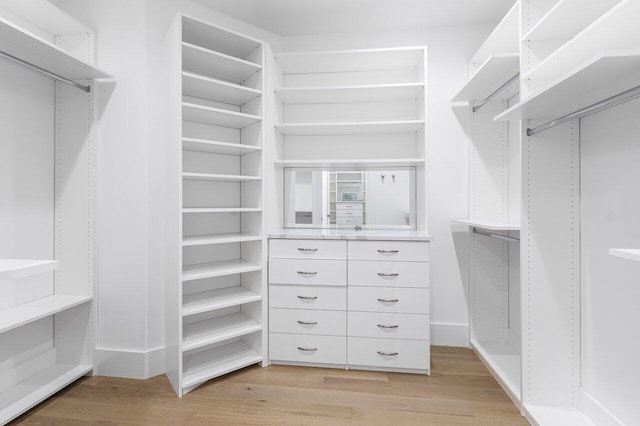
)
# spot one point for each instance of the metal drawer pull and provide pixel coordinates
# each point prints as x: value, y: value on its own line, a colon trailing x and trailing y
x: 388, y: 251
x: 308, y: 297
x: 307, y: 249
x: 307, y: 322
x: 388, y: 300
x: 307, y: 349
x: 387, y: 275
x: 388, y: 326
x: 387, y: 353
x: 307, y: 273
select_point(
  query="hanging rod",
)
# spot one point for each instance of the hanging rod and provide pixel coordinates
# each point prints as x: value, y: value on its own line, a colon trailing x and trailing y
x: 615, y: 100
x: 496, y: 92
x: 494, y: 235
x: 24, y: 64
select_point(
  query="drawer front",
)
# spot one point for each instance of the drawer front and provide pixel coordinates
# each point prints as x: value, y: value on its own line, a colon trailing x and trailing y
x: 308, y: 348
x: 305, y: 321
x: 308, y: 272
x: 389, y: 299
x: 405, y: 251
x: 351, y: 221
x: 348, y: 206
x: 349, y: 213
x: 389, y: 274
x: 388, y: 325
x: 389, y: 353
x: 307, y: 297
x: 307, y: 249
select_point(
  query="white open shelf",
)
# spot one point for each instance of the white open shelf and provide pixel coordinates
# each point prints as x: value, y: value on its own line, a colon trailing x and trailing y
x: 554, y: 415
x: 217, y: 116
x: 630, y: 254
x: 198, y: 303
x: 37, y: 51
x: 221, y: 209
x: 201, y: 240
x: 401, y: 162
x: 17, y: 268
x: 217, y: 147
x: 201, y: 86
x: 344, y: 94
x: 489, y: 76
x: 350, y: 128
x: 217, y: 269
x: 209, y: 364
x: 208, y: 332
x: 503, y: 39
x: 219, y: 177
x: 505, y: 361
x: 208, y: 62
x: 32, y: 311
x: 489, y: 224
x: 599, y: 78
x: 32, y: 391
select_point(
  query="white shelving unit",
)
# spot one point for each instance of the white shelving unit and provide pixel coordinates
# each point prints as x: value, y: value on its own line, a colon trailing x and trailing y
x: 495, y: 71
x: 46, y: 305
x: 490, y: 225
x: 216, y: 242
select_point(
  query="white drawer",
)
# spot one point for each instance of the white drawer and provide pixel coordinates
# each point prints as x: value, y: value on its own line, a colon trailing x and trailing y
x: 308, y: 348
x: 307, y: 297
x: 304, y: 321
x: 389, y: 274
x: 349, y: 213
x: 389, y: 353
x: 406, y: 251
x: 307, y: 249
x: 308, y: 272
x: 348, y: 206
x: 388, y: 325
x: 389, y: 299
x: 351, y: 221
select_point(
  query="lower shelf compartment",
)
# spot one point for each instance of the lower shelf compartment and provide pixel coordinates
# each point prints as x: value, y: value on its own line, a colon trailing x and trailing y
x: 204, y: 333
x: 504, y: 361
x: 33, y: 311
x: 32, y: 391
x: 213, y: 363
x: 547, y: 415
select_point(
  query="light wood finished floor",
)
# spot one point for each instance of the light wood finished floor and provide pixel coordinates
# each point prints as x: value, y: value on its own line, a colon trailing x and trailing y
x: 460, y: 391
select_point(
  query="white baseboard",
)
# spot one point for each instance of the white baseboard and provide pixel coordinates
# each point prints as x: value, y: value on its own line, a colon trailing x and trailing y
x: 446, y: 334
x: 596, y: 411
x: 131, y: 364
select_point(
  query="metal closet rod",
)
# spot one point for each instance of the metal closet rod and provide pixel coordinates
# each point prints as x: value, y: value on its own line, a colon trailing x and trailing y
x: 28, y: 65
x: 615, y: 100
x: 496, y: 92
x: 494, y: 235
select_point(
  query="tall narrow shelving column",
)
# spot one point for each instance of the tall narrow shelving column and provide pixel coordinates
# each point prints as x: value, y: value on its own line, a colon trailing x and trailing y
x: 215, y: 246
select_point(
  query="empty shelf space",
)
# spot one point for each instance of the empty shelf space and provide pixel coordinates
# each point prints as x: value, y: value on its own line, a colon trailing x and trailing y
x: 16, y: 268
x: 344, y: 94
x: 221, y: 209
x: 32, y: 391
x: 209, y: 364
x: 490, y: 225
x: 219, y: 177
x: 216, y: 116
x: 204, y: 333
x: 201, y: 86
x: 505, y: 361
x: 219, y: 39
x: 492, y: 74
x: 357, y: 128
x: 630, y: 254
x: 215, y: 64
x: 32, y: 311
x: 202, y: 240
x: 198, y: 303
x: 217, y: 147
x: 402, y: 162
x: 217, y: 269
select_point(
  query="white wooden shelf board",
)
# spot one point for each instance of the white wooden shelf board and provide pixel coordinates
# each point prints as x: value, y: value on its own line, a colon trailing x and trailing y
x: 197, y: 303
x: 208, y: 332
x: 40, y: 52
x: 32, y: 311
x: 217, y: 269
x: 630, y: 254
x: 209, y: 364
x: 402, y: 162
x: 492, y: 74
x: 505, y: 361
x: 557, y: 416
x: 219, y: 177
x: 221, y: 209
x: 219, y: 39
x: 353, y: 128
x: 202, y: 240
x: 345, y: 94
x: 489, y: 225
x: 218, y: 147
x: 17, y: 268
x: 215, y: 64
x: 216, y: 116
x: 32, y: 391
x: 349, y: 60
x: 201, y: 86
x: 601, y: 77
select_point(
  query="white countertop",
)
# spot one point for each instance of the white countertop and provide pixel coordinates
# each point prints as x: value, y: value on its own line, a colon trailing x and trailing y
x: 351, y: 234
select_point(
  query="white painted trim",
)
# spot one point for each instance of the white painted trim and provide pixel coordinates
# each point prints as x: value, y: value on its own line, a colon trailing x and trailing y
x: 448, y: 334
x: 596, y: 411
x: 131, y: 364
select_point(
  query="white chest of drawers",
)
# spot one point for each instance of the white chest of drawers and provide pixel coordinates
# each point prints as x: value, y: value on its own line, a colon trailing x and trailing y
x: 350, y: 303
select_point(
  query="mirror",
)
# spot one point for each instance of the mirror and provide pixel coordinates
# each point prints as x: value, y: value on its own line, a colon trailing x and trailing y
x: 349, y: 198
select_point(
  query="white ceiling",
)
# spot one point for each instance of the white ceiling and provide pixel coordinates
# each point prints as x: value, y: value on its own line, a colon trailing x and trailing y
x: 300, y: 17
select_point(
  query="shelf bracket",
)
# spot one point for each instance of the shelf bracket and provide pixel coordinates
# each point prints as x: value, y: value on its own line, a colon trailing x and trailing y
x: 494, y: 235
x: 496, y: 92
